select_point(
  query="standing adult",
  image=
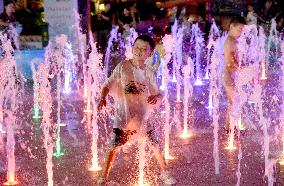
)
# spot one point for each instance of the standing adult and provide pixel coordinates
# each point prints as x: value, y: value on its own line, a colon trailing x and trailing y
x: 7, y: 18
x: 104, y: 27
x: 126, y: 21
x: 266, y: 14
x: 8, y: 21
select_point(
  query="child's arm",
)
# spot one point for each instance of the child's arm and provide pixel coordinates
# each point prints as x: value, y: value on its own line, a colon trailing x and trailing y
x: 102, y: 101
x: 154, y: 98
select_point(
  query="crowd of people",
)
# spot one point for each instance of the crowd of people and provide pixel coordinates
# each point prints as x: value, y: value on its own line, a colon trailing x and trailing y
x: 264, y: 16
x: 161, y: 19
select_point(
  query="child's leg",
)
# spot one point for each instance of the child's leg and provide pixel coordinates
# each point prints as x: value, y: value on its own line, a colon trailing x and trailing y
x: 230, y: 92
x: 165, y: 175
x: 120, y: 138
x: 158, y: 155
x: 154, y: 145
x: 110, y: 157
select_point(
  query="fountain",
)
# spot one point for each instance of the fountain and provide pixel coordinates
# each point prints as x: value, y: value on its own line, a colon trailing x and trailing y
x: 97, y: 76
x: 79, y: 48
x: 250, y: 99
x: 9, y: 90
x: 198, y: 40
x: 213, y: 35
x: 272, y: 34
x: 36, y: 89
x: 69, y: 70
x: 60, y: 60
x: 168, y: 41
x: 179, y: 62
x: 215, y: 92
x: 174, y: 34
x: 282, y: 90
x: 113, y: 37
x: 45, y: 102
x: 188, y: 73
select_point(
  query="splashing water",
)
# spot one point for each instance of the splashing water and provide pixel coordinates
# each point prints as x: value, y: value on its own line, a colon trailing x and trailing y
x: 240, y: 156
x: 60, y: 65
x: 272, y: 36
x: 174, y: 34
x: 36, y: 89
x: 179, y: 61
x: 45, y: 102
x: 96, y: 72
x: 257, y: 97
x: 213, y: 34
x: 210, y: 98
x: 199, y: 44
x: 113, y: 37
x: 168, y: 46
x: 262, y: 58
x: 69, y: 68
x: 282, y: 90
x: 216, y: 59
x: 188, y: 73
x: 9, y: 91
x: 164, y: 72
x: 79, y: 49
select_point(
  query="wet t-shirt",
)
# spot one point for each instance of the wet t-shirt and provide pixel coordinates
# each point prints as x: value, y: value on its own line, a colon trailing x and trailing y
x: 131, y: 86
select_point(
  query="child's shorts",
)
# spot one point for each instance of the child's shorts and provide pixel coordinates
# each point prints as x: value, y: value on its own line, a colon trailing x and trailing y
x: 122, y: 136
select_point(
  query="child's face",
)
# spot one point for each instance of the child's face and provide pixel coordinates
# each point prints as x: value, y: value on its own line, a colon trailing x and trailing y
x: 125, y: 12
x: 141, y: 50
x: 10, y: 8
x: 236, y: 30
x: 268, y: 4
x: 250, y: 8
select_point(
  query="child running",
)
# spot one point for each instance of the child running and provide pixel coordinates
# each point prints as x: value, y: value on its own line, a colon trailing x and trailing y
x: 134, y: 88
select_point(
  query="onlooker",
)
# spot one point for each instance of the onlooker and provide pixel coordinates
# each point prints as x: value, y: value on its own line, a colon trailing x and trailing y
x: 280, y: 25
x: 172, y: 13
x: 267, y: 14
x: 251, y: 16
x: 126, y: 21
x: 8, y: 22
x: 134, y: 13
x: 104, y: 27
x: 7, y: 18
x: 183, y: 16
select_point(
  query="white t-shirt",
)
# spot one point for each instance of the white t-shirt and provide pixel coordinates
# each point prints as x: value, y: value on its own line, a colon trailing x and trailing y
x: 251, y: 18
x: 131, y: 86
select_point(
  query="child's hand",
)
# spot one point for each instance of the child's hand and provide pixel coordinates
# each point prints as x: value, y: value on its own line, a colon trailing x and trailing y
x: 101, y: 104
x: 153, y: 99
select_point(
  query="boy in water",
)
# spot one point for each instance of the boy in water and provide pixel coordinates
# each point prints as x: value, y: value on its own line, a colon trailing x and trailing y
x: 231, y: 63
x: 134, y: 87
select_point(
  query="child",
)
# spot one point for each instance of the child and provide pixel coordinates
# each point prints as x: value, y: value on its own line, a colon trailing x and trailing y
x: 134, y: 87
x: 252, y: 16
x: 231, y: 63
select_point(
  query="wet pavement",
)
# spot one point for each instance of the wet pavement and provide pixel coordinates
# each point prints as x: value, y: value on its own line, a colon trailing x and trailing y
x: 193, y: 162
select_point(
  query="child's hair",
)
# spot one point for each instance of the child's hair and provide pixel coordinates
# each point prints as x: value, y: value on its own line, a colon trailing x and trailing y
x: 238, y: 20
x: 251, y: 5
x: 6, y: 3
x: 148, y: 39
